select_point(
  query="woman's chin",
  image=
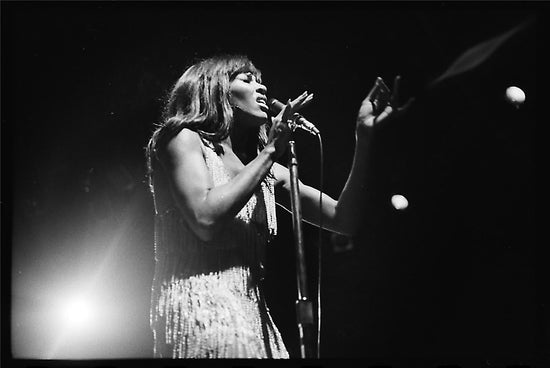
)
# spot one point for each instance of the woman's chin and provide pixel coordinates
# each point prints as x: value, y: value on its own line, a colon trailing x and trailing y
x: 254, y: 120
x: 257, y: 120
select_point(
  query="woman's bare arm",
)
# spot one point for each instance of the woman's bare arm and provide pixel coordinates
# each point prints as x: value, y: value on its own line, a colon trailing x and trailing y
x: 206, y: 207
x: 345, y: 215
x: 342, y: 216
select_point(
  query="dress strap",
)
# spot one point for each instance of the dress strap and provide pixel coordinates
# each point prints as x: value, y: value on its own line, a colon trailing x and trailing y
x: 220, y: 176
x: 214, y: 163
x: 268, y: 190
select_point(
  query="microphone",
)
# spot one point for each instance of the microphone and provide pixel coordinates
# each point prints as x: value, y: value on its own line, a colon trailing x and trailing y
x: 276, y: 106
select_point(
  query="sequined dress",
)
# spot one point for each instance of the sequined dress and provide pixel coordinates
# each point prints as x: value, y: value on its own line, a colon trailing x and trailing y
x: 206, y: 299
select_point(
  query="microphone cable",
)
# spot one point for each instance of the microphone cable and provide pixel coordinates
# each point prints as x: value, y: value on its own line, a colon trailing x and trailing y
x: 320, y: 247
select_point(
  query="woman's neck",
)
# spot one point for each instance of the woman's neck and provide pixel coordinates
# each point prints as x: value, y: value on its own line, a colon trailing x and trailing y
x: 243, y: 141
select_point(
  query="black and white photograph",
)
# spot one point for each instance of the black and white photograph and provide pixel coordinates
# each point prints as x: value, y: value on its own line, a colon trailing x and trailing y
x: 240, y: 183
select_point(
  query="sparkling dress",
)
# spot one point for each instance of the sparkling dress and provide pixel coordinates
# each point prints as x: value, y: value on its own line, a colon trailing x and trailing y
x: 206, y: 298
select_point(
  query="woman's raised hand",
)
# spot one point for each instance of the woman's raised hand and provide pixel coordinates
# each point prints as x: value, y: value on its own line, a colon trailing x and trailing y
x: 282, y: 123
x: 380, y: 105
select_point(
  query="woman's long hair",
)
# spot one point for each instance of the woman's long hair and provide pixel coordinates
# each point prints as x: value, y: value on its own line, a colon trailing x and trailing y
x: 200, y: 101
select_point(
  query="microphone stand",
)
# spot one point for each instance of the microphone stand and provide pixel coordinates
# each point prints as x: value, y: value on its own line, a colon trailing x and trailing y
x: 304, y: 308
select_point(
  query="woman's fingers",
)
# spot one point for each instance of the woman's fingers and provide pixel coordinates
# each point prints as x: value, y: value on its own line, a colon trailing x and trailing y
x: 302, y: 101
x: 379, y: 96
x: 302, y: 97
x: 287, y: 111
x: 298, y: 103
x: 287, y: 116
x: 394, y: 99
x: 388, y: 110
x: 306, y: 101
x: 406, y: 106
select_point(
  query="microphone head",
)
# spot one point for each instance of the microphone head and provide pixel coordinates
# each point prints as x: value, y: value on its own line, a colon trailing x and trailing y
x: 275, y: 106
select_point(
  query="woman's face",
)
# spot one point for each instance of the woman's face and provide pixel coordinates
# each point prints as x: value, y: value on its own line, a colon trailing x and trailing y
x: 249, y: 96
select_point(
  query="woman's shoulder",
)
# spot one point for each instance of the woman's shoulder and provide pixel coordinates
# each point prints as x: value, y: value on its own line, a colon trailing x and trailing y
x: 187, y: 137
x: 187, y: 143
x: 186, y: 140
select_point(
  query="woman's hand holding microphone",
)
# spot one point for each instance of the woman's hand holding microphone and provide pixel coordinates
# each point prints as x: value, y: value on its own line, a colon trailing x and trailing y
x: 281, y: 127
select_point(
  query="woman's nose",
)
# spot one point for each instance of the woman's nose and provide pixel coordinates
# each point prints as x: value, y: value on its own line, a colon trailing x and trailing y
x: 262, y: 89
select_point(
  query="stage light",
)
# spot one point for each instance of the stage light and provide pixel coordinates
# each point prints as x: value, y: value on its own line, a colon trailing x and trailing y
x: 515, y: 96
x: 71, y: 307
x: 399, y: 202
x: 77, y: 313
x: 77, y: 320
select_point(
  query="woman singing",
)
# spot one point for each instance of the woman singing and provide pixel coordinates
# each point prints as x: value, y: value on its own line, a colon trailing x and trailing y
x: 213, y: 172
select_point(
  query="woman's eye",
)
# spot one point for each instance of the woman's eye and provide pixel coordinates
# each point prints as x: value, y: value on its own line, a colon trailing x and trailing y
x: 247, y: 78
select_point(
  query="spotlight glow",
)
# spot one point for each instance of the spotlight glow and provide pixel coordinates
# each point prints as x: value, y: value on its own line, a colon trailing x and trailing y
x: 77, y: 313
x: 399, y: 202
x: 515, y: 96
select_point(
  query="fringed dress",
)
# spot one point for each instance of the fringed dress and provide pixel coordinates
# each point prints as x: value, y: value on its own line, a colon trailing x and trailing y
x: 206, y: 296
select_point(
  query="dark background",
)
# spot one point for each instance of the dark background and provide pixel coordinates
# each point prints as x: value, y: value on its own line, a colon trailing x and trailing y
x: 452, y: 275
